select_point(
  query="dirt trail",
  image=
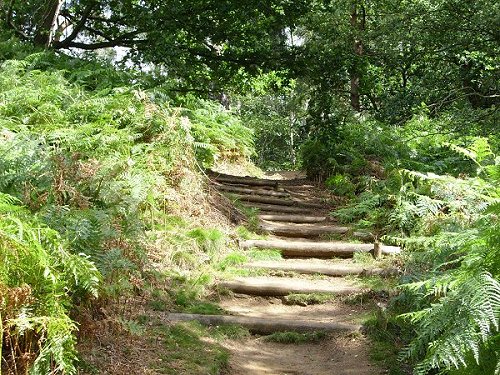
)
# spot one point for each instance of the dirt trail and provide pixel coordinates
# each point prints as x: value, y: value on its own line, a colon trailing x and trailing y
x: 340, y: 353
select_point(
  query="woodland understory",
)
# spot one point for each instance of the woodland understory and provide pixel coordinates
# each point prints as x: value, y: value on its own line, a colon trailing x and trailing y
x: 113, y: 113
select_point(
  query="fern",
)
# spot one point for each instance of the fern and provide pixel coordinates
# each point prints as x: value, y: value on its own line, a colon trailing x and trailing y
x: 219, y: 133
x: 36, y: 271
x: 473, y: 302
x: 457, y: 301
x: 97, y: 163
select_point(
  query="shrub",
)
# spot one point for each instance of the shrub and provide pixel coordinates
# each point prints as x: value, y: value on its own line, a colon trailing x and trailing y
x: 39, y: 282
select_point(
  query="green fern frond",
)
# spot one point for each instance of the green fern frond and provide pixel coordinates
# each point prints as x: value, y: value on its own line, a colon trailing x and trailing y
x: 474, y: 303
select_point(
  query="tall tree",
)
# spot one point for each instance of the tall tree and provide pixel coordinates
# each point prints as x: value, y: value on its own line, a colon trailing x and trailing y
x: 358, y: 23
x: 47, y: 24
x: 200, y: 42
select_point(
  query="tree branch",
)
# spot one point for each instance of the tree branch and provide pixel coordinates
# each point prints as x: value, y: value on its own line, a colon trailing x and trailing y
x: 107, y: 44
x: 8, y: 20
x: 79, y: 26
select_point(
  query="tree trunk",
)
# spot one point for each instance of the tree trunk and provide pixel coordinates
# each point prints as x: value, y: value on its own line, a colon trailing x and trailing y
x: 302, y: 230
x: 279, y: 201
x: 47, y: 26
x: 250, y: 191
x: 358, y: 24
x: 279, y: 209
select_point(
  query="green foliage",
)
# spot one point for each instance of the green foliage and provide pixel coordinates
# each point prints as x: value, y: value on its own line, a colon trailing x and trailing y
x: 219, y: 134
x: 456, y: 302
x: 206, y: 308
x: 209, y: 240
x: 275, y: 112
x: 450, y: 225
x: 263, y: 254
x: 355, y: 148
x: 39, y: 282
x: 230, y: 331
x: 100, y: 165
x: 232, y: 259
x: 461, y: 325
x: 369, y: 209
x: 341, y: 185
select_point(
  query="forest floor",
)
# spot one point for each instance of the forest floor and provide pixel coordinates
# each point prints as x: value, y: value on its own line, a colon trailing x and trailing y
x: 336, y: 353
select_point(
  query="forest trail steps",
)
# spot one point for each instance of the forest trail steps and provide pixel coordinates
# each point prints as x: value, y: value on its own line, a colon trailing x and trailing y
x: 294, y: 211
x: 316, y: 259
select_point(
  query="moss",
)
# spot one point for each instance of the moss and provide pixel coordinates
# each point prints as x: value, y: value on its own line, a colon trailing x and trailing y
x: 308, y: 299
x: 296, y: 337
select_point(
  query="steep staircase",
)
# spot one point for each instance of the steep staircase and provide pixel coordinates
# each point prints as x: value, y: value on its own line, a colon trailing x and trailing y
x: 295, y: 216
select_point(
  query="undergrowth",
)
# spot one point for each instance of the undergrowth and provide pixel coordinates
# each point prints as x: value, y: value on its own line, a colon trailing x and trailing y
x: 99, y: 176
x: 40, y: 280
x: 448, y: 307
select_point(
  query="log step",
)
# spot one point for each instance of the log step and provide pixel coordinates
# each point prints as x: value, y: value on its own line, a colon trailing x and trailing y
x: 281, y: 286
x: 316, y: 249
x: 250, y: 181
x: 293, y: 218
x: 276, y: 208
x: 249, y: 191
x: 278, y: 201
x: 323, y: 268
x: 265, y: 326
x: 254, y: 181
x: 302, y: 230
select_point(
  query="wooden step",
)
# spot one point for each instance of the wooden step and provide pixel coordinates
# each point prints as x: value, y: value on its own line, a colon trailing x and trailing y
x: 254, y: 181
x: 249, y: 191
x: 279, y: 201
x: 292, y: 218
x: 323, y: 268
x: 302, y: 230
x: 264, y: 326
x: 316, y: 249
x: 281, y: 286
x: 276, y: 208
x: 250, y: 181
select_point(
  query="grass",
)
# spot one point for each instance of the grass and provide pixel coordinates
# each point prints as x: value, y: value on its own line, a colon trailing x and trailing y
x: 363, y: 258
x: 229, y: 331
x: 263, y: 254
x: 308, y: 299
x: 188, y: 349
x: 378, y: 283
x: 246, y: 234
x: 291, y: 337
x: 205, y: 308
x: 385, y: 346
x: 251, y: 213
x: 245, y: 272
x: 232, y: 259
